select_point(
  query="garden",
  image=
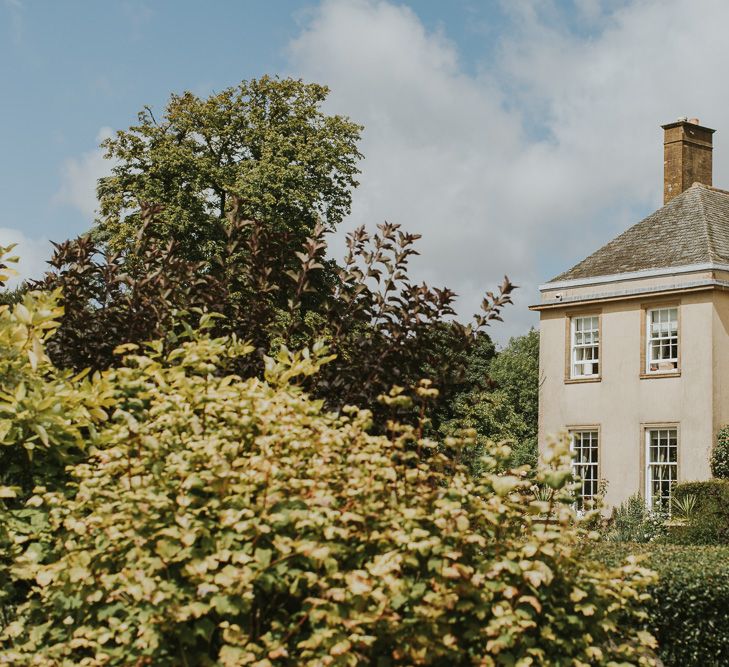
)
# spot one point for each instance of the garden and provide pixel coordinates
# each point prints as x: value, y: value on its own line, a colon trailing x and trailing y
x: 220, y: 446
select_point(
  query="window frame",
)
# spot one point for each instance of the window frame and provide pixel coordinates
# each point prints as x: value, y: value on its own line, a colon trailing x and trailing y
x: 647, y: 466
x: 570, y: 347
x: 645, y: 357
x: 595, y: 431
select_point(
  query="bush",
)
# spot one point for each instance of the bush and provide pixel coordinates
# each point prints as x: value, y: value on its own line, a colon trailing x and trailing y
x: 221, y: 521
x: 632, y: 521
x: 708, y: 521
x: 720, y: 454
x: 689, y: 603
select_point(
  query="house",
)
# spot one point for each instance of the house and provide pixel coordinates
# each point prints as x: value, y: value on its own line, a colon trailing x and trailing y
x: 634, y: 351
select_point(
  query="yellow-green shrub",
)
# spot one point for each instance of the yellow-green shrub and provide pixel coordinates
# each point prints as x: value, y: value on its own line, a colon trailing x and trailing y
x: 211, y: 520
x: 217, y: 521
x: 46, y: 417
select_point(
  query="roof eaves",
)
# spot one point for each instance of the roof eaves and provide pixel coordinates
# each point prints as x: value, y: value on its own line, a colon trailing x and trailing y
x: 633, y: 275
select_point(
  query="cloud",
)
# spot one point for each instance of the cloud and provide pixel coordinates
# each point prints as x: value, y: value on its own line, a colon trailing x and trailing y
x: 33, y: 254
x: 436, y: 142
x: 531, y: 164
x: 79, y: 176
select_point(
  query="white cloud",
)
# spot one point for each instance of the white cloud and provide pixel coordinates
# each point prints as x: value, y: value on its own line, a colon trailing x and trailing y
x: 530, y: 190
x: 79, y: 176
x: 33, y: 254
x: 435, y: 140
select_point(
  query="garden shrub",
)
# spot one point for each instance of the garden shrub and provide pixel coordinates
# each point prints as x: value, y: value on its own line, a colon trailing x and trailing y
x: 708, y: 521
x: 720, y: 454
x: 688, y: 609
x: 632, y: 521
x: 46, y: 417
x: 222, y: 521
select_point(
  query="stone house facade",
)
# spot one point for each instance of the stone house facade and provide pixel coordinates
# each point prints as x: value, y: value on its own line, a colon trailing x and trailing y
x: 634, y: 340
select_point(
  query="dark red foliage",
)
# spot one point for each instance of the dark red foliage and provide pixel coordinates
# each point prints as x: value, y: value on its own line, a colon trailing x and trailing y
x: 384, y: 329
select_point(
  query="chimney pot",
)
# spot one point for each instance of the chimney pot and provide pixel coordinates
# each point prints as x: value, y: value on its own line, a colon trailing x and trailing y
x: 687, y: 148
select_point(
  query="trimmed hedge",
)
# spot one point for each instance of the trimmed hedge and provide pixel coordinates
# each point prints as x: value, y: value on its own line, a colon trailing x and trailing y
x: 708, y: 523
x: 689, y: 608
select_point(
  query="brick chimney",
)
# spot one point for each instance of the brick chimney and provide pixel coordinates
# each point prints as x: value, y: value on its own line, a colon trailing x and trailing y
x: 686, y: 156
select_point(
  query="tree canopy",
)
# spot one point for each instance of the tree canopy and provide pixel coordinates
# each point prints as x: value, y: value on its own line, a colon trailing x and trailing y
x: 266, y: 142
x: 501, y: 399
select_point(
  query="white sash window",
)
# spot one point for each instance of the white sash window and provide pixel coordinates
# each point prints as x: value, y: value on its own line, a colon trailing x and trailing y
x: 585, y: 346
x: 662, y: 340
x: 661, y: 465
x: 585, y: 463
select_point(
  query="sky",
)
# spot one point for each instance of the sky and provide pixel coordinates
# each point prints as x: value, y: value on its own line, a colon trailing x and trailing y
x: 517, y: 136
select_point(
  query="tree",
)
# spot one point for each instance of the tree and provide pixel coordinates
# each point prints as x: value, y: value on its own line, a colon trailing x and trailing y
x: 265, y: 142
x: 516, y: 370
x: 384, y: 330
x: 503, y: 403
x: 110, y: 298
x: 223, y: 206
x: 719, y: 459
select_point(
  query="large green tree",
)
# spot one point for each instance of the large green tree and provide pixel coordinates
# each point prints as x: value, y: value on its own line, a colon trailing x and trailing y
x: 223, y: 205
x: 265, y: 142
x: 516, y: 371
x: 503, y: 402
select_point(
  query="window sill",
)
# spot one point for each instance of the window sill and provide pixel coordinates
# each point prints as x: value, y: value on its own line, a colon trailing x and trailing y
x: 657, y: 374
x: 597, y: 378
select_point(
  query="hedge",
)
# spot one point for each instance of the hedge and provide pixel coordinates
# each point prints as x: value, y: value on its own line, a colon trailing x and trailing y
x: 708, y: 522
x: 689, y: 608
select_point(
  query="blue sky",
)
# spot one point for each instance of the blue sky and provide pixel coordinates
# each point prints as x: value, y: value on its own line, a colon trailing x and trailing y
x: 69, y: 68
x: 517, y: 136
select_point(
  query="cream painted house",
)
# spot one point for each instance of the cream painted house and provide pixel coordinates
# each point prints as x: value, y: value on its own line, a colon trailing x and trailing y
x: 634, y: 340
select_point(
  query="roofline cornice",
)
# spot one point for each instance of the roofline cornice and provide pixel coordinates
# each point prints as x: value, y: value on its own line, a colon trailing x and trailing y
x: 633, y: 275
x: 590, y: 299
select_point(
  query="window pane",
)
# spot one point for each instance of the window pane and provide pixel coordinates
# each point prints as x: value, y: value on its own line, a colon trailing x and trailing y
x: 584, y: 346
x: 585, y: 464
x: 661, y: 465
x: 662, y: 343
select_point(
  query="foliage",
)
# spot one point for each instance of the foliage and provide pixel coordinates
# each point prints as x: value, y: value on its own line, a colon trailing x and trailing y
x: 45, y: 414
x: 688, y: 608
x: 633, y: 521
x: 46, y: 418
x: 229, y: 521
x: 112, y: 298
x: 502, y: 403
x: 720, y: 454
x: 384, y: 330
x: 8, y: 297
x: 222, y: 206
x: 684, y: 506
x: 265, y: 142
x: 708, y: 522
x: 516, y: 370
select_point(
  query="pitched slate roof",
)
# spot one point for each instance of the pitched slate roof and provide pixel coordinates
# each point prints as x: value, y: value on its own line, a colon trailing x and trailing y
x: 693, y: 228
